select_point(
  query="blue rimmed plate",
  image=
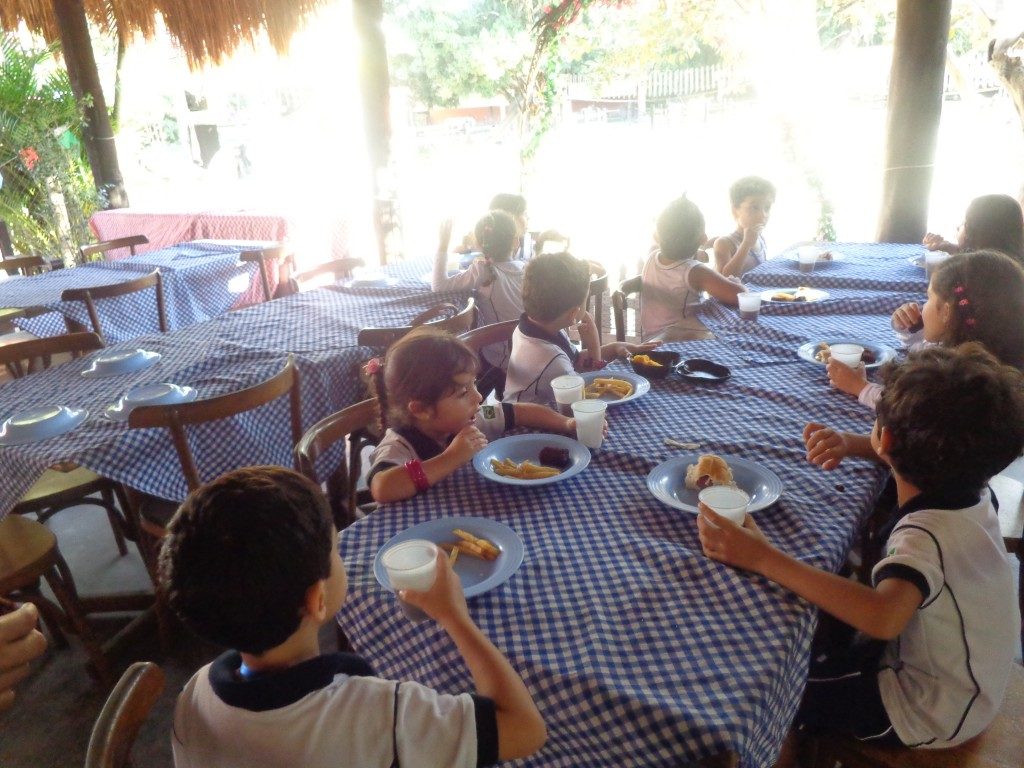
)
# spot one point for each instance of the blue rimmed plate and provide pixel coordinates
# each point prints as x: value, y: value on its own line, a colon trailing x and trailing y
x: 882, y: 353
x: 667, y: 482
x: 120, y: 362
x: 477, y: 576
x: 641, y: 386
x: 521, y: 448
x: 42, y: 423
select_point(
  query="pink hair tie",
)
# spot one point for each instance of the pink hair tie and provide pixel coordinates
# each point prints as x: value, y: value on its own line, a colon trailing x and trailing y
x: 372, y: 367
x: 970, y: 321
x: 958, y: 290
x: 963, y: 302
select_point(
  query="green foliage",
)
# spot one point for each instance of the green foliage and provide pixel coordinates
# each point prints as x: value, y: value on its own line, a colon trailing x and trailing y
x: 47, y: 194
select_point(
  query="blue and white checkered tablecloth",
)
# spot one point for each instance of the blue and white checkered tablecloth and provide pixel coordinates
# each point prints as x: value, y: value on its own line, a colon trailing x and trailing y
x: 228, y: 353
x: 871, y: 266
x: 638, y: 649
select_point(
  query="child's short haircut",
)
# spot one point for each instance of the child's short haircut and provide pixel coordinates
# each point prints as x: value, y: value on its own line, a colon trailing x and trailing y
x: 241, y: 553
x: 512, y: 204
x: 956, y: 416
x: 680, y: 229
x: 554, y: 283
x: 750, y: 186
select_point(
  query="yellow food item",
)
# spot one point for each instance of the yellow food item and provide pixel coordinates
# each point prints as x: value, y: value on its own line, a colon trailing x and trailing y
x: 602, y: 386
x: 645, y: 360
x: 527, y: 470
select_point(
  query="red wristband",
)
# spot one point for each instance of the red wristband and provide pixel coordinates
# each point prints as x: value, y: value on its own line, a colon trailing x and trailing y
x: 417, y: 475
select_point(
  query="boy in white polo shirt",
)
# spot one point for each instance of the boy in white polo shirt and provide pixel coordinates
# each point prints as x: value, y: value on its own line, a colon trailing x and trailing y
x: 555, y: 291
x: 942, y: 598
x: 251, y: 562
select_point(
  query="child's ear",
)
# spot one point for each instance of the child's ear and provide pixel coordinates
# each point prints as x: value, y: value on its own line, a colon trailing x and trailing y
x: 420, y: 410
x: 884, y: 443
x: 315, y: 604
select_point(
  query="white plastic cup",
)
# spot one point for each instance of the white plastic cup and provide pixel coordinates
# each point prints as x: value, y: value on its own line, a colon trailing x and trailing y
x: 730, y: 503
x: 411, y: 565
x: 568, y: 389
x: 589, y: 415
x: 848, y: 354
x: 807, y: 255
x: 932, y: 260
x: 750, y: 304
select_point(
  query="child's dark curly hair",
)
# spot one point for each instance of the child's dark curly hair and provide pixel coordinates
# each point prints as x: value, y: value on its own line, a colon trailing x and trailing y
x: 242, y: 551
x: 956, y: 416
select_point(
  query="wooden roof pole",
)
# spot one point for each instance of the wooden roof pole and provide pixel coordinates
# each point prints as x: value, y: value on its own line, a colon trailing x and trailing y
x: 912, y: 126
x: 97, y: 134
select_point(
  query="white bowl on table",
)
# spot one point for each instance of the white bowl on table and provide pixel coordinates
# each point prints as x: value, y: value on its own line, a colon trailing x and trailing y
x: 149, y: 394
x: 120, y: 362
x: 40, y: 423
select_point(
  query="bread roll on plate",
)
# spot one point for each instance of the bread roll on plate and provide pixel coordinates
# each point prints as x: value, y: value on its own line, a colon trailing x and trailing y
x: 709, y: 470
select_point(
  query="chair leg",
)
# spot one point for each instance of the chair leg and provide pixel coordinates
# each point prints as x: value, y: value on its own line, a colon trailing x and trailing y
x: 116, y: 522
x: 50, y: 613
x: 60, y: 581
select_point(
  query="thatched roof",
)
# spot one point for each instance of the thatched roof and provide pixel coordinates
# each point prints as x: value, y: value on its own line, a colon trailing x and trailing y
x: 207, y: 30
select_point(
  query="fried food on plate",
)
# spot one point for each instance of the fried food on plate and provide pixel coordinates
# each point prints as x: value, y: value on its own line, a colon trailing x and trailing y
x: 605, y: 386
x: 471, y: 545
x: 526, y: 470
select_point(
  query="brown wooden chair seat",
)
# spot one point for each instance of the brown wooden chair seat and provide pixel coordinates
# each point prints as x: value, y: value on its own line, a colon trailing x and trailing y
x: 102, y: 247
x: 25, y: 265
x: 620, y: 302
x: 1001, y: 746
x: 90, y: 295
x: 356, y: 427
x: 459, y: 323
x: 261, y: 258
x: 127, y: 708
x: 64, y: 485
x: 28, y: 553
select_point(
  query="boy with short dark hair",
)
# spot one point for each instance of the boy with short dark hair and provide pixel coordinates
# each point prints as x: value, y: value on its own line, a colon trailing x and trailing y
x: 251, y: 562
x: 942, y: 596
x: 555, y: 290
x: 752, y: 198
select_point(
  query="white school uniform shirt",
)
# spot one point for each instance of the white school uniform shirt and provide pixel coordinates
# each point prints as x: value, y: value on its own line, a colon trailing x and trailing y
x: 327, y: 712
x: 501, y: 300
x: 537, y: 358
x: 943, y: 679
x: 666, y: 296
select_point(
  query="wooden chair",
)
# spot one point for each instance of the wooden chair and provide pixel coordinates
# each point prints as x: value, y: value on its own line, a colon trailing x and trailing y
x: 100, y: 248
x: 325, y: 274
x: 28, y: 553
x: 998, y: 747
x: 24, y: 265
x: 126, y: 709
x: 598, y: 286
x: 64, y: 485
x: 620, y: 298
x: 90, y: 295
x: 352, y: 426
x: 493, y: 378
x: 459, y: 323
x: 261, y: 257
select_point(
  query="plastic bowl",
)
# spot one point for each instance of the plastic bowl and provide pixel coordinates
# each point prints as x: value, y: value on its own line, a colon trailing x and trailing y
x: 156, y: 394
x: 668, y: 360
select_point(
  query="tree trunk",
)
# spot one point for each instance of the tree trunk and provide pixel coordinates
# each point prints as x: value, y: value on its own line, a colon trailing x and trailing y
x: 375, y: 85
x: 1011, y: 74
x: 912, y: 127
x: 85, y: 83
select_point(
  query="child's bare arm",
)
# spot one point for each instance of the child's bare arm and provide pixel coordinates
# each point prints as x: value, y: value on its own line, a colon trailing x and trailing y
x: 394, y: 484
x: 730, y: 262
x: 536, y: 416
x: 706, y: 279
x: 880, y: 612
x: 827, y: 447
x: 521, y: 730
x: 590, y: 338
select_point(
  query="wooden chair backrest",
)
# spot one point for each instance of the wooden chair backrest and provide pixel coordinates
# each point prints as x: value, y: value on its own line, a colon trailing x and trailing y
x: 25, y: 357
x: 102, y: 247
x: 626, y: 289
x: 353, y: 422
x: 261, y: 257
x: 176, y: 417
x: 382, y: 338
x: 126, y: 709
x: 90, y: 295
x: 26, y: 265
x: 598, y: 285
x: 485, y: 335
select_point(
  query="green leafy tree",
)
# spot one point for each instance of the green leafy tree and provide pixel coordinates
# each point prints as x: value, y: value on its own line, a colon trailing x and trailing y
x: 47, y: 193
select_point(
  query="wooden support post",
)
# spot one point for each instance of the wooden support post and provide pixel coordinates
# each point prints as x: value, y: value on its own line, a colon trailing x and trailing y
x: 97, y: 134
x: 912, y: 127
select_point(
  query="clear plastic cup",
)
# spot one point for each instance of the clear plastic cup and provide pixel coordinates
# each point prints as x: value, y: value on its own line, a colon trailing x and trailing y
x: 807, y: 255
x: 848, y: 354
x: 750, y: 304
x: 589, y: 415
x: 568, y: 389
x: 932, y: 260
x: 411, y: 565
x: 730, y: 503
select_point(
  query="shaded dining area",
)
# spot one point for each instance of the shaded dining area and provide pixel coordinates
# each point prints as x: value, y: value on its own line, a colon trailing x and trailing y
x: 198, y: 412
